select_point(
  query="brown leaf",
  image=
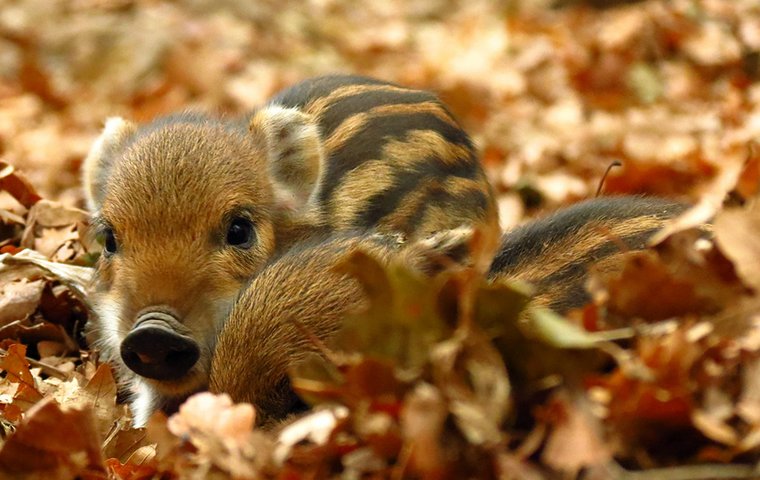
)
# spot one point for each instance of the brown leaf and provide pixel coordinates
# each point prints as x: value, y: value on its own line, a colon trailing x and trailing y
x: 371, y: 378
x: 748, y: 185
x: 712, y: 417
x: 512, y: 467
x: 315, y: 427
x: 16, y: 366
x: 50, y: 349
x: 19, y: 299
x: 471, y: 374
x: 52, y: 230
x: 59, y: 305
x: 137, y: 469
x: 215, y: 415
x: 100, y: 395
x: 422, y: 424
x: 157, y: 432
x: 128, y: 444
x: 75, y: 277
x: 17, y: 371
x: 711, y: 199
x: 575, y: 440
x: 222, y: 433
x: 642, y: 278
x: 748, y: 406
x: 31, y: 332
x: 685, y: 275
x: 737, y: 232
x: 17, y: 185
x: 712, y: 44
x: 53, y: 443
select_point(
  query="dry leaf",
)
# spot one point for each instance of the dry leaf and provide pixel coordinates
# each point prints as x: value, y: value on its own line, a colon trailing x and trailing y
x: 77, y: 278
x: 710, y: 201
x: 53, y: 443
x: 215, y: 415
x: 52, y: 230
x: 575, y: 441
x: 471, y: 374
x: 19, y: 299
x: 737, y: 232
x: 422, y: 423
x: 17, y: 185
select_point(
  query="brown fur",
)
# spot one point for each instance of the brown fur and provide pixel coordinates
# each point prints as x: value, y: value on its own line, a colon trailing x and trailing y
x: 352, y: 125
x: 261, y: 337
x: 318, y: 107
x: 169, y: 190
x: 259, y: 342
x: 170, y: 236
x: 264, y: 335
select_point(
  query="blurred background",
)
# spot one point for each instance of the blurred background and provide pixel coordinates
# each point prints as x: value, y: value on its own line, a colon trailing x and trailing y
x: 551, y: 91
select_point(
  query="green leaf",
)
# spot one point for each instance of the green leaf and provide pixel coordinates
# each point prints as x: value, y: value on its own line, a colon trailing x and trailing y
x: 555, y: 330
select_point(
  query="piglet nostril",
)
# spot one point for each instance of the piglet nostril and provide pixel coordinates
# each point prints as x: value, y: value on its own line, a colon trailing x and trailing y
x: 147, y: 358
x: 154, y: 350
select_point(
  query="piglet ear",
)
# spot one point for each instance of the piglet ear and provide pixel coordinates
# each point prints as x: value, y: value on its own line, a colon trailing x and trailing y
x: 295, y: 155
x: 97, y: 165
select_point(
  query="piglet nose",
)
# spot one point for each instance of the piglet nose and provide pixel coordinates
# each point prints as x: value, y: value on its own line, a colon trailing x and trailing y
x: 154, y: 349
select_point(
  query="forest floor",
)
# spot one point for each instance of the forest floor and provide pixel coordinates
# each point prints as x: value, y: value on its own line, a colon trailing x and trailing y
x: 551, y: 96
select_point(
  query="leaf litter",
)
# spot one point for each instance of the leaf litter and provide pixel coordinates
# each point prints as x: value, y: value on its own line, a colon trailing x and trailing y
x: 659, y: 377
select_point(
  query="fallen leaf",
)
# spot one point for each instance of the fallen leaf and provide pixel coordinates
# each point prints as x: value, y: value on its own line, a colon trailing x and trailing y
x: 215, y: 415
x: 316, y: 427
x: 402, y: 321
x: 222, y: 433
x: 77, y: 278
x: 17, y: 185
x: 52, y: 229
x: 748, y: 406
x: 655, y: 288
x: 575, y: 440
x: 711, y: 199
x: 422, y: 424
x: 27, y: 394
x: 19, y: 299
x: 712, y: 44
x: 54, y: 443
x: 555, y: 330
x: 737, y: 232
x: 100, y: 395
x: 471, y: 374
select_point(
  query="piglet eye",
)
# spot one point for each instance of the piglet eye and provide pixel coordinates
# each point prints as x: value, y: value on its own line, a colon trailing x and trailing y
x: 109, y: 241
x: 240, y: 233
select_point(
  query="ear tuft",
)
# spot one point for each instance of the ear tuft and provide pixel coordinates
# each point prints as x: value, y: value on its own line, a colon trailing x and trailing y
x: 294, y: 150
x: 97, y: 164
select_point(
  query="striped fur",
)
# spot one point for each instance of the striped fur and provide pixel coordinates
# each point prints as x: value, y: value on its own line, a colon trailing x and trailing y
x: 329, y: 155
x: 259, y: 342
x: 395, y: 157
x: 554, y: 253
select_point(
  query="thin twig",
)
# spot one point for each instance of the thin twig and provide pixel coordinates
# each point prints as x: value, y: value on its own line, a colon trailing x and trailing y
x: 616, y: 163
x: 10, y: 325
